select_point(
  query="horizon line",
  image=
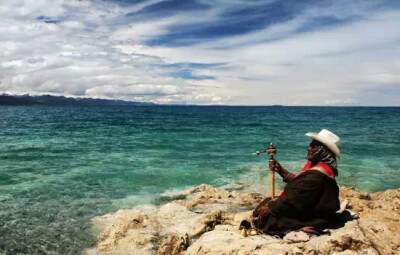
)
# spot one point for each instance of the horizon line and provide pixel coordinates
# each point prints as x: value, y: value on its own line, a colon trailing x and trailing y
x: 205, y: 105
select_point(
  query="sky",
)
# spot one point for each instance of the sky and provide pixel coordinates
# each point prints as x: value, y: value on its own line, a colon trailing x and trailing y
x: 202, y: 52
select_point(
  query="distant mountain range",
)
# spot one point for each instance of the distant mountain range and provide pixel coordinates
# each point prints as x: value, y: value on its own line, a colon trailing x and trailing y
x: 6, y: 99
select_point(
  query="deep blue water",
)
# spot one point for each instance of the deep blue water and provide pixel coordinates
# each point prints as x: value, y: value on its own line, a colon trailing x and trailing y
x: 61, y: 166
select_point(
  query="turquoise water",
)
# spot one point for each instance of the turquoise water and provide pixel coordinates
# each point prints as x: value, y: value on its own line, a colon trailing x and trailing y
x: 61, y: 166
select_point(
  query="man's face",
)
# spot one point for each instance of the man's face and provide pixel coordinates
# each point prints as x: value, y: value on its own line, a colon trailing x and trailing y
x: 312, y: 148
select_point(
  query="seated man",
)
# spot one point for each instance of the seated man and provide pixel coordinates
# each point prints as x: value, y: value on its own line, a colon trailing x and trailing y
x: 311, y: 198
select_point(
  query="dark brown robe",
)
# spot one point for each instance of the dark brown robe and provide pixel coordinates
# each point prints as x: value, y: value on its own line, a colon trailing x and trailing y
x: 311, y: 200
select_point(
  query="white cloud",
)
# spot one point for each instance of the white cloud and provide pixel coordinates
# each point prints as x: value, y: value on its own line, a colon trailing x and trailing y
x: 32, y: 8
x: 341, y: 101
x: 142, y: 31
x: 142, y: 90
x: 90, y: 52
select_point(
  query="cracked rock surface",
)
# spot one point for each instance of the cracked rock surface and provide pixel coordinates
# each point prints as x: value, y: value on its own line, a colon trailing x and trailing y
x: 204, y: 220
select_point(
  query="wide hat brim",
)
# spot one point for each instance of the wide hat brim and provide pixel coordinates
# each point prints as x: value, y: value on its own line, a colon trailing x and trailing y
x: 332, y: 146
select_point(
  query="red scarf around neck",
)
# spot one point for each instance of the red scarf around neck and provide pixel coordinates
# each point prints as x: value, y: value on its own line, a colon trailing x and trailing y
x: 328, y: 170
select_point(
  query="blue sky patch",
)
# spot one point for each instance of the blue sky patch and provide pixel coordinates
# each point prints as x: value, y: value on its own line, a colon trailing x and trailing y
x: 187, y: 74
x: 49, y: 20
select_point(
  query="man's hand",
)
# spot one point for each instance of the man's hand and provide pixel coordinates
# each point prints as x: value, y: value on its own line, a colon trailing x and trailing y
x: 275, y: 166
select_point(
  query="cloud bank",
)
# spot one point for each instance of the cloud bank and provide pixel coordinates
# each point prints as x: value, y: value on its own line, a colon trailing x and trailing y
x: 204, y: 52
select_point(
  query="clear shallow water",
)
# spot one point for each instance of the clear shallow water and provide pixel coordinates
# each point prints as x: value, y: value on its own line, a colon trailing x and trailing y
x: 61, y: 166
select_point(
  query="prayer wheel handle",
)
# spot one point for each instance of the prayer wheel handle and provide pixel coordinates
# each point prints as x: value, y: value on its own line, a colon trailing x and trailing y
x: 271, y: 150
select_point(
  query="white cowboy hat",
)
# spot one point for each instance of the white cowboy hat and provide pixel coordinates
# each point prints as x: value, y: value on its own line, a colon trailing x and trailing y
x: 328, y: 138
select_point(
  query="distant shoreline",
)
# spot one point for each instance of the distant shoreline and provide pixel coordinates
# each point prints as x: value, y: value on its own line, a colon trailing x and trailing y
x: 44, y: 100
x: 51, y: 100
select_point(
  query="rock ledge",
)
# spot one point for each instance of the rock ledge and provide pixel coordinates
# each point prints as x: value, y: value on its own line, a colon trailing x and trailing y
x: 204, y: 220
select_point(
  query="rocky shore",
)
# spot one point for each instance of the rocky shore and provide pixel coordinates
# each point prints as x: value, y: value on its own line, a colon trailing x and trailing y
x: 204, y: 220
